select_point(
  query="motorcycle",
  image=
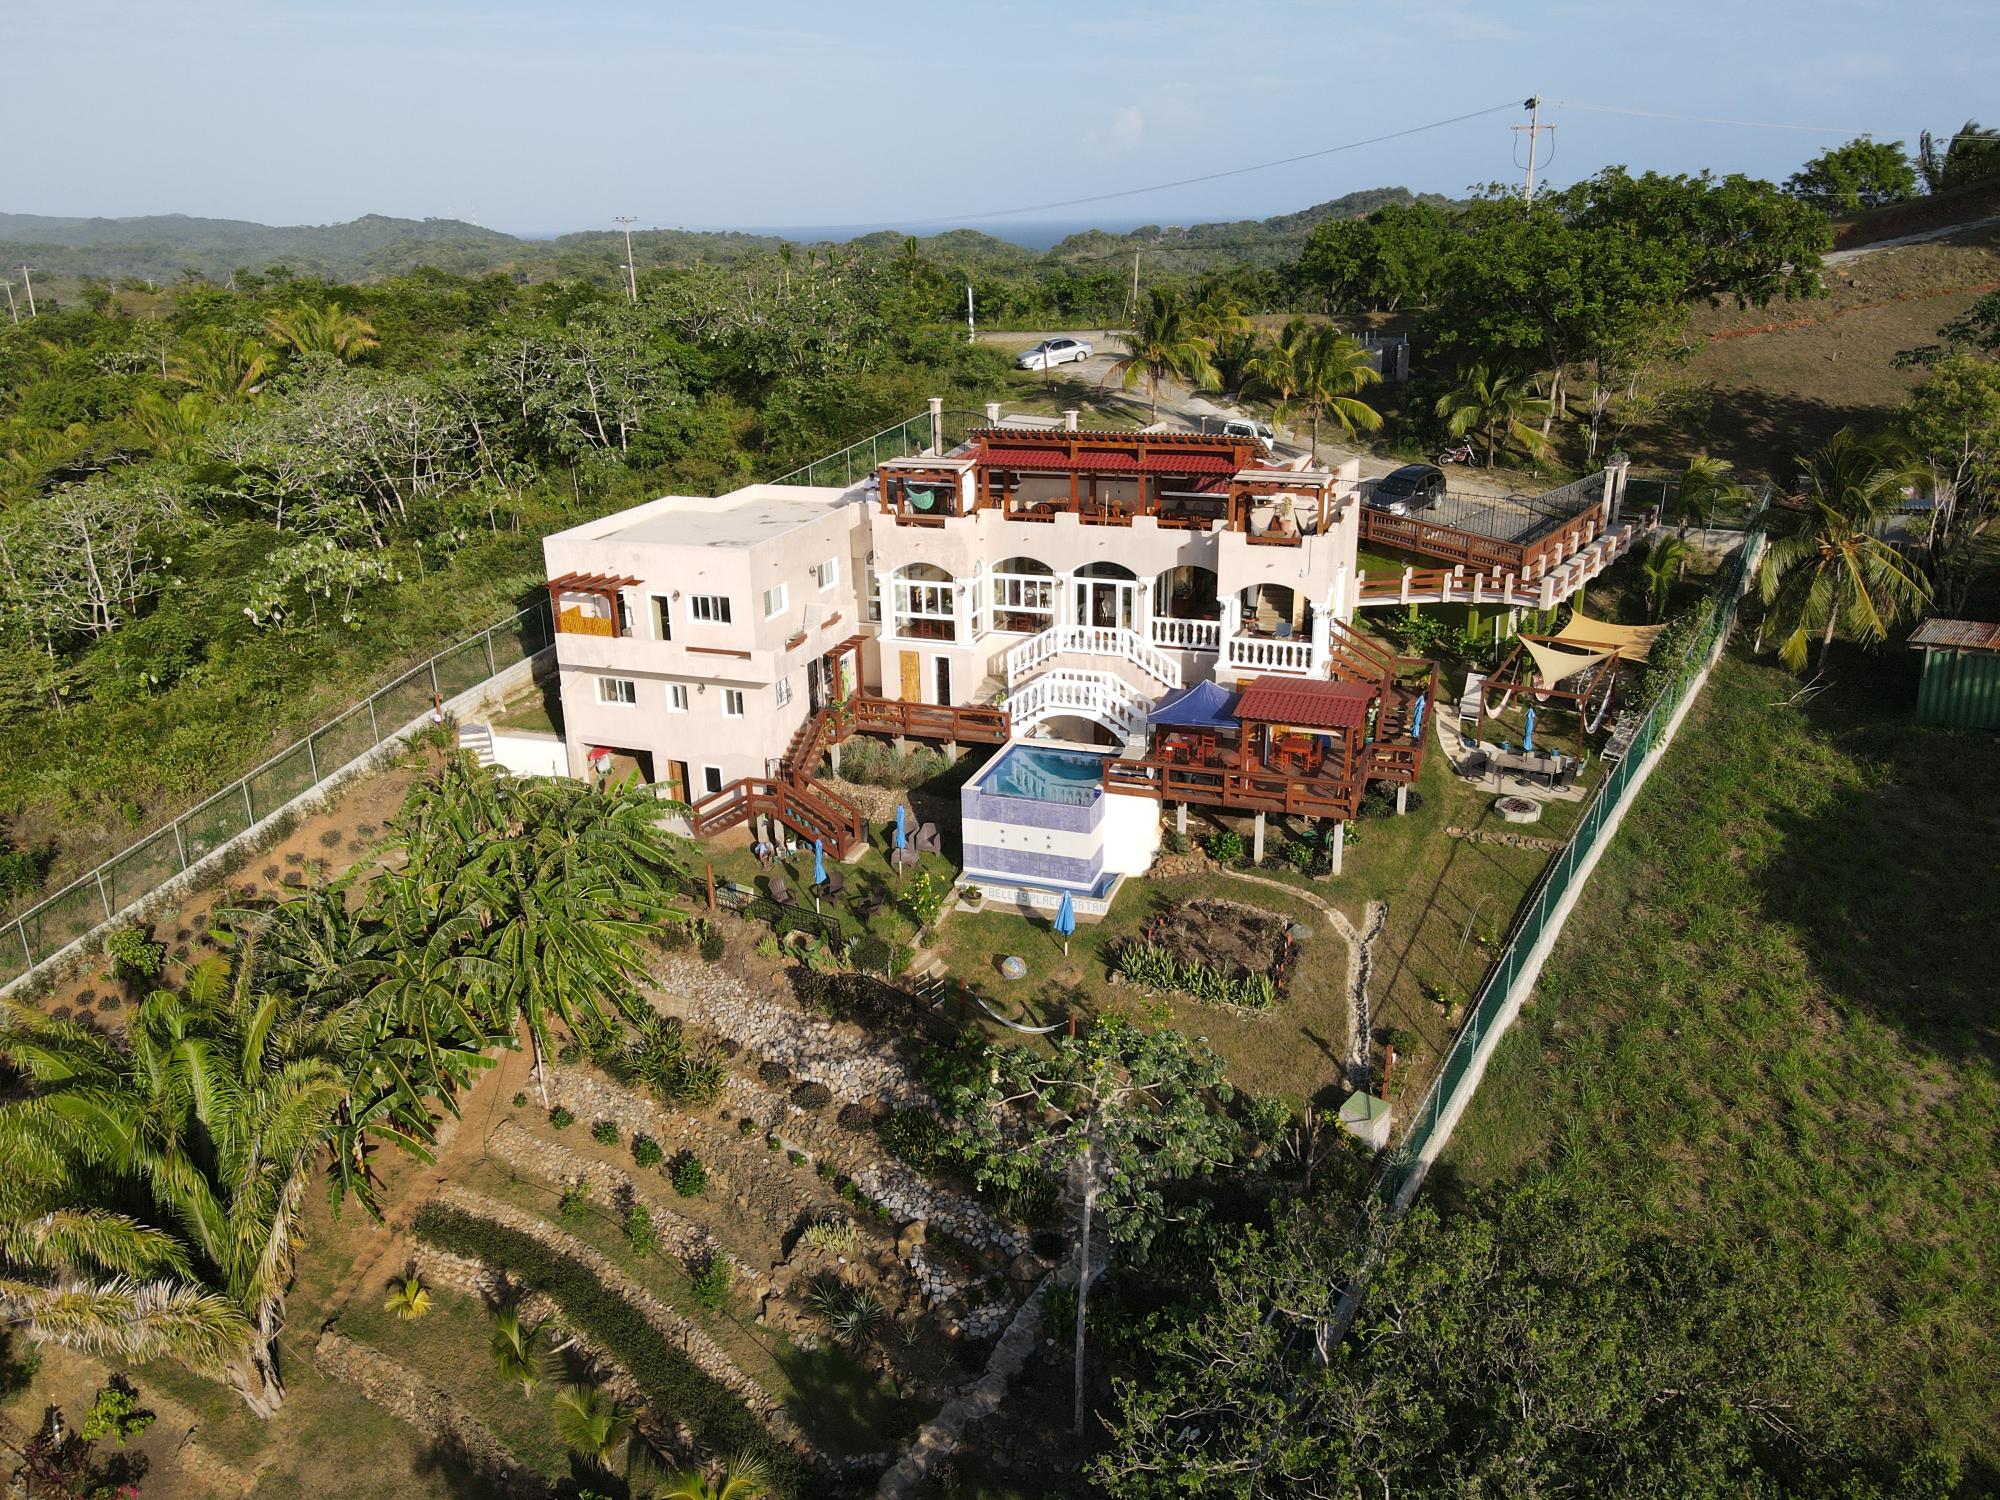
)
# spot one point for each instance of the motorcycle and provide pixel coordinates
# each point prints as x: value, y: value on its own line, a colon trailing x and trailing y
x: 1463, y: 453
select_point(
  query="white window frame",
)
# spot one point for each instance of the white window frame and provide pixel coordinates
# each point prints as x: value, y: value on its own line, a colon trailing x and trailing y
x: 826, y: 574
x: 677, y: 697
x: 732, y: 703
x: 784, y: 691
x: 783, y: 594
x: 1025, y: 594
x: 709, y: 609
x: 711, y: 780
x: 925, y: 599
x: 609, y: 701
x: 871, y: 594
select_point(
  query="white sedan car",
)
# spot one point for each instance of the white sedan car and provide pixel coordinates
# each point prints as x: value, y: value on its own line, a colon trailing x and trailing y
x: 1052, y: 352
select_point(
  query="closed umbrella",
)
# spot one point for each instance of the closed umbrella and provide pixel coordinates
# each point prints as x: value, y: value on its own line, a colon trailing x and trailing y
x: 1066, y: 921
x: 900, y: 835
x: 1417, y: 717
x: 1528, y: 735
x: 819, y: 871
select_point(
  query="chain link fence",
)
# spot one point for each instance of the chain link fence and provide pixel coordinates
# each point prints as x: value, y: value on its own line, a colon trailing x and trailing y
x: 45, y: 929
x: 1455, y: 1077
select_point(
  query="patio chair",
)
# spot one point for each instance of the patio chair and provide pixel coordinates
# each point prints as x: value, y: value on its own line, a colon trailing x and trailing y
x: 870, y: 904
x: 834, y: 885
x: 780, y: 892
x: 904, y: 858
x: 1566, y: 777
x: 1474, y: 766
x: 927, y: 840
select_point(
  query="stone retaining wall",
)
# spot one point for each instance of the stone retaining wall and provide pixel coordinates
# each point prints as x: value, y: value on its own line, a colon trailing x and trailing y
x: 410, y: 1398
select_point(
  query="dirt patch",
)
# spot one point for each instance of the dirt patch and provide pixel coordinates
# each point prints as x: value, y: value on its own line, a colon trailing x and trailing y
x: 1228, y: 936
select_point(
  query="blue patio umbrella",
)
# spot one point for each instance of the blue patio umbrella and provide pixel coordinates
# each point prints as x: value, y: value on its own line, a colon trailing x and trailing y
x: 819, y: 871
x: 1528, y: 736
x: 1066, y: 920
x: 900, y: 835
x: 1417, y: 717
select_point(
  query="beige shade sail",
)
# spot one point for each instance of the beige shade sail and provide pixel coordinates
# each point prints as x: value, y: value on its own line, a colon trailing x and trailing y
x: 1554, y: 663
x: 1631, y: 642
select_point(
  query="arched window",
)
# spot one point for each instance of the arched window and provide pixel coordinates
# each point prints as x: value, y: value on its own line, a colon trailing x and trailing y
x: 1024, y: 595
x: 925, y: 603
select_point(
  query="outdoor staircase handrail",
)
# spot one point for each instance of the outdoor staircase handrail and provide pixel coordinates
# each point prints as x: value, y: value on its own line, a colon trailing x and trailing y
x: 1092, y: 640
x: 1103, y: 696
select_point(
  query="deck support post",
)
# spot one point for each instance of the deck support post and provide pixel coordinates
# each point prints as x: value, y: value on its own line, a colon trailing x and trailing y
x: 1180, y: 819
x: 1339, y: 845
x: 1257, y: 842
x: 1402, y: 798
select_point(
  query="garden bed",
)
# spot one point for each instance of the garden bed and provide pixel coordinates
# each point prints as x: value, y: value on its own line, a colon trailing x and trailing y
x: 1220, y: 951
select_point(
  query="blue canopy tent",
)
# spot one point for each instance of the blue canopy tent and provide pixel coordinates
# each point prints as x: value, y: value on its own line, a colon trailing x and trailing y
x: 1199, y: 705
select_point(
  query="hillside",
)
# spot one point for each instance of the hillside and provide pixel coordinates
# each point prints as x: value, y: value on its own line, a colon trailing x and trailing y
x: 1763, y: 383
x: 1198, y: 247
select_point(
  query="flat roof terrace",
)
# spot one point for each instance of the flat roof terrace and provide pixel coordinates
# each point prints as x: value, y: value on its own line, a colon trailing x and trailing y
x: 741, y: 518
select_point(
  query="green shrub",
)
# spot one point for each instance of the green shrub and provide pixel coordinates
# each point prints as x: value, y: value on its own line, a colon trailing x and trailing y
x: 767, y: 947
x: 670, y: 1380
x: 710, y: 1282
x: 713, y: 947
x: 115, y: 1412
x: 1176, y: 842
x: 689, y: 1176
x: 918, y: 1138
x: 746, y: 1126
x: 605, y: 1133
x: 574, y: 1205
x: 851, y: 1313
x: 639, y: 1231
x: 135, y: 958
x: 872, y: 954
x: 1225, y: 847
x: 521, y: 1099
x: 646, y: 1151
x: 561, y: 1117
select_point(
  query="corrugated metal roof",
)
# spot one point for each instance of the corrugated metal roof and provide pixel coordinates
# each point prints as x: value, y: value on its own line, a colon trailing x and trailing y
x: 1957, y: 635
x: 1312, y: 703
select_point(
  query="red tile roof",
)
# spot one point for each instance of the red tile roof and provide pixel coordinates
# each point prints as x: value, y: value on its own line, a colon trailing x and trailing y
x: 1309, y: 702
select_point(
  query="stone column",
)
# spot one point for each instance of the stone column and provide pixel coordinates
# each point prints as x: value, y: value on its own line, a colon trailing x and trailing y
x: 1070, y: 414
x: 1180, y: 819
x: 1402, y: 798
x: 937, y: 424
x: 993, y: 414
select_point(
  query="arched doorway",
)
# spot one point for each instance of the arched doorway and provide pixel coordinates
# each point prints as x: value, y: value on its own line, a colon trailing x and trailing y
x: 1107, y: 595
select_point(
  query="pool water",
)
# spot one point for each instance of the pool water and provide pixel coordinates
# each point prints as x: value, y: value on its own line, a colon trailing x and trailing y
x: 1039, y: 774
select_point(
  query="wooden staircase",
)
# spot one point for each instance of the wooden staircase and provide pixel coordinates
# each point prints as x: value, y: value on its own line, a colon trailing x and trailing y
x: 794, y: 798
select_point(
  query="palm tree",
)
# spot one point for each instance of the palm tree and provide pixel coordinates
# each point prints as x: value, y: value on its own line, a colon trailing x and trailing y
x: 1497, y: 404
x: 1835, y: 573
x: 155, y: 1182
x: 743, y: 1477
x: 518, y: 1355
x: 1708, y: 483
x: 1163, y: 341
x: 170, y: 428
x: 1664, y: 564
x: 1314, y: 368
x: 592, y: 1423
x: 221, y: 364
x: 568, y: 887
x: 1332, y: 368
x: 334, y: 331
x: 409, y: 1299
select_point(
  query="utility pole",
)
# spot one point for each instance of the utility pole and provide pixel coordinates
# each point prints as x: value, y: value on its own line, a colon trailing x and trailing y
x: 1534, y: 128
x: 1135, y: 283
x: 29, y: 283
x: 631, y: 275
x: 971, y: 331
x: 12, y: 311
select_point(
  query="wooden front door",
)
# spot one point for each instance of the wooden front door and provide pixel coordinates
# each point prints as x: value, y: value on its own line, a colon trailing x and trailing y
x: 913, y: 677
x: 676, y: 780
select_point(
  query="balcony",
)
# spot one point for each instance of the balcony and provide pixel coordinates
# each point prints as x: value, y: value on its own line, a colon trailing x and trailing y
x: 1186, y: 635
x: 1267, y: 653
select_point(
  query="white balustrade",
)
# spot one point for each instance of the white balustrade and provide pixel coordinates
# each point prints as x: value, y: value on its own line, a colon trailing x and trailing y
x: 1103, y: 696
x: 1264, y: 653
x: 1092, y: 640
x: 1187, y: 635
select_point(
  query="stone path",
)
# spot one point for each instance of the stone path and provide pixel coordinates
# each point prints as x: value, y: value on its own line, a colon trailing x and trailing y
x: 1358, y: 962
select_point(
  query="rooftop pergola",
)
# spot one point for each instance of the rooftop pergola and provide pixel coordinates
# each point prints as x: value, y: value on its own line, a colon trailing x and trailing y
x: 605, y: 586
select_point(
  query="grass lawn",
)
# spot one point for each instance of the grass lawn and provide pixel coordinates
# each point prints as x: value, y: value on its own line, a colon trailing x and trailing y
x: 1771, y: 1018
x: 834, y: 1398
x: 868, y: 877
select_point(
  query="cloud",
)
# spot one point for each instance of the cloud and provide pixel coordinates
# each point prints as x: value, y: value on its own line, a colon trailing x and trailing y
x: 1124, y: 131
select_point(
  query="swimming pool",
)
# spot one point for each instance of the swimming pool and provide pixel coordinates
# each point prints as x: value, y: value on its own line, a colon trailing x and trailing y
x: 1038, y: 773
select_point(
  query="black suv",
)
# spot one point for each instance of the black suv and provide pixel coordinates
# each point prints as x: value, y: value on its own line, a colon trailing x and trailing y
x: 1412, y: 488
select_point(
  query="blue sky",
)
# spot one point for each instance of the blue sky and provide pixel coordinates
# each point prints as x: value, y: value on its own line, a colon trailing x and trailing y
x: 547, y: 116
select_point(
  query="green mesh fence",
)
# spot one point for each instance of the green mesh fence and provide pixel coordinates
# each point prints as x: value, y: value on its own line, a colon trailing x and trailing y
x: 63, y: 918
x: 215, y: 823
x: 1561, y: 873
x: 148, y: 864
x: 463, y: 668
x: 347, y: 738
x: 280, y: 779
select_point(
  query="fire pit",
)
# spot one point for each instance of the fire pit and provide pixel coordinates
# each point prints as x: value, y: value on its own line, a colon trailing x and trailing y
x: 1518, y: 809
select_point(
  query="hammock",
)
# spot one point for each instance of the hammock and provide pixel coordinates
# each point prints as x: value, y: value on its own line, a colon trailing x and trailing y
x: 1552, y: 665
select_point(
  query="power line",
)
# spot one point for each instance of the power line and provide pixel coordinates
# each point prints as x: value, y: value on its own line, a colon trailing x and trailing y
x: 1179, y: 182
x: 1651, y: 114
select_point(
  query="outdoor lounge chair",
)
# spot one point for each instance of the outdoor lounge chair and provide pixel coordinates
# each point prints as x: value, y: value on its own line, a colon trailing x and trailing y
x: 835, y: 883
x: 927, y: 840
x: 1474, y: 766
